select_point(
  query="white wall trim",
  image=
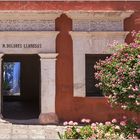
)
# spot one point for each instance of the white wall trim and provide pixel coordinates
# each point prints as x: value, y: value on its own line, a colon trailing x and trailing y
x: 29, y: 14
x: 53, y: 14
x: 89, y: 43
x: 98, y: 14
x: 48, y: 55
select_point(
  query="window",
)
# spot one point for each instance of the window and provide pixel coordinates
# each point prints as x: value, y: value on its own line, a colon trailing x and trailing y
x: 91, y: 60
x: 11, y: 78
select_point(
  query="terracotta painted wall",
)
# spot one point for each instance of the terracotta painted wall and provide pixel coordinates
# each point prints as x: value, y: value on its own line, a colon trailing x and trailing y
x: 75, y: 108
x: 67, y: 106
x: 99, y: 5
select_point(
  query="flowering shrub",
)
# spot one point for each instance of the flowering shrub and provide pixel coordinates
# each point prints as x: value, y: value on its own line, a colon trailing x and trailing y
x: 119, y: 75
x: 125, y: 129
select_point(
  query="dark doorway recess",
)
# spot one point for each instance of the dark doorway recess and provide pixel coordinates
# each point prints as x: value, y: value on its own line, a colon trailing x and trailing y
x: 23, y: 103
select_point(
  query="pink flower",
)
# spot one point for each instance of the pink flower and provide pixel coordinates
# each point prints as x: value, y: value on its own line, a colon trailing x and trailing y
x: 117, y: 127
x: 133, y: 33
x: 124, y: 117
x: 137, y: 103
x: 134, y: 45
x: 93, y: 124
x: 97, y: 85
x: 131, y: 96
x: 70, y: 123
x: 88, y: 120
x: 138, y: 131
x: 107, y: 123
x: 124, y: 107
x: 75, y: 123
x: 134, y: 119
x: 132, y: 74
x: 85, y: 120
x: 132, y: 137
x: 139, y: 56
x: 135, y: 89
x: 65, y: 123
x: 123, y: 123
x: 69, y: 130
x: 114, y: 121
x: 126, y: 54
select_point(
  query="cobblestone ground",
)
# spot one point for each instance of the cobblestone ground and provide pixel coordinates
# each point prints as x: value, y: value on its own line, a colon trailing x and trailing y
x: 38, y: 132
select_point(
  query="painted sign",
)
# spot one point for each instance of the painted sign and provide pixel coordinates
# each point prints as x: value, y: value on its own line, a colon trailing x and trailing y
x: 28, y: 42
x: 21, y: 45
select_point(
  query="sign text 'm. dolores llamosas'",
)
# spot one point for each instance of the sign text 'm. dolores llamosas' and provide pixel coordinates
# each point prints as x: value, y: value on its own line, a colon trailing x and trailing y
x: 21, y: 46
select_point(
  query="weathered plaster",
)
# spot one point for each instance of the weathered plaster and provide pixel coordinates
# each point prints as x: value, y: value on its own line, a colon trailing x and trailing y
x: 28, y: 20
x: 98, y: 20
x: 27, y: 25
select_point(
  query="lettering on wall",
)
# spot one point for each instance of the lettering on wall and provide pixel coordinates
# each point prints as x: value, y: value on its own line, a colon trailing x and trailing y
x: 21, y: 46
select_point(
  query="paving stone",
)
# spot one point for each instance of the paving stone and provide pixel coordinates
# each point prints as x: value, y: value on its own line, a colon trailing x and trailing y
x: 37, y: 127
x: 49, y: 126
x: 5, y: 131
x: 19, y: 137
x: 38, y: 132
x: 20, y: 126
x: 19, y: 131
x: 5, y: 126
x: 50, y: 135
x: 37, y: 137
x: 5, y: 136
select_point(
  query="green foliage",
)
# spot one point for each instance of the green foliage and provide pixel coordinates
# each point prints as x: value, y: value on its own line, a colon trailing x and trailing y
x: 6, y: 85
x: 76, y: 132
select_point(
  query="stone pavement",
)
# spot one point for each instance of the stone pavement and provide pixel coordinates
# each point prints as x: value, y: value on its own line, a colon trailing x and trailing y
x: 38, y: 132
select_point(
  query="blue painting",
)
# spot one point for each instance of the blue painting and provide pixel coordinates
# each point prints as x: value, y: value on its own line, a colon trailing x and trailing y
x: 11, y: 78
